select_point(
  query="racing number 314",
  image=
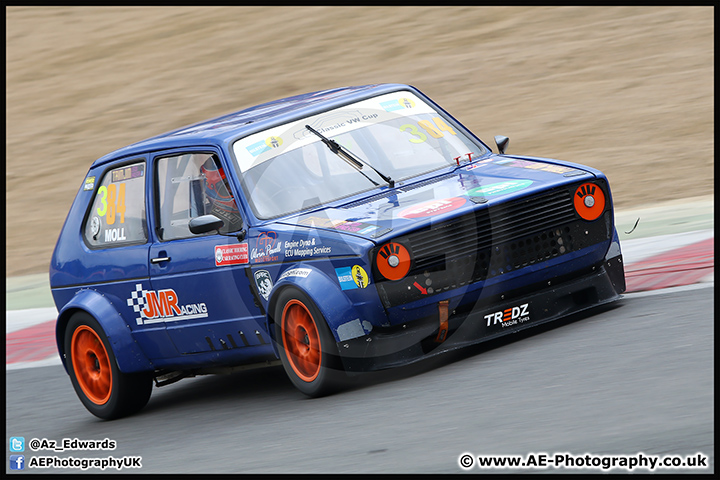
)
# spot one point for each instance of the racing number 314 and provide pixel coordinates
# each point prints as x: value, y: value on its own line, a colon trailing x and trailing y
x: 434, y: 130
x: 112, y: 202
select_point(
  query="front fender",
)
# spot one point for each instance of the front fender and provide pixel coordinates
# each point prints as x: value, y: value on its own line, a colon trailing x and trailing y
x: 340, y: 314
x: 128, y: 354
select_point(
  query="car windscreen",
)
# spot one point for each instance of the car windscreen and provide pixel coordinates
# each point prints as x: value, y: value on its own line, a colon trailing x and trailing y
x: 291, y: 167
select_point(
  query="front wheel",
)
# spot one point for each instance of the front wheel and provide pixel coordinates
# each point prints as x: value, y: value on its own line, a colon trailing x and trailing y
x: 307, y: 348
x: 105, y: 391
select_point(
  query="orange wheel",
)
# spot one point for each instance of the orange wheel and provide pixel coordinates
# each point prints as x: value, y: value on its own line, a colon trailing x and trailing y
x: 306, y: 346
x: 91, y: 365
x: 105, y: 390
x: 301, y: 340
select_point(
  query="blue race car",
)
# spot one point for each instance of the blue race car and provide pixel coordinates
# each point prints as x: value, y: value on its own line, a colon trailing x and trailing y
x: 340, y: 231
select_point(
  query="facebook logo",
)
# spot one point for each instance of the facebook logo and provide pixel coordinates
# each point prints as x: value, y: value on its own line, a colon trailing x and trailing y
x: 17, y: 444
x: 17, y: 462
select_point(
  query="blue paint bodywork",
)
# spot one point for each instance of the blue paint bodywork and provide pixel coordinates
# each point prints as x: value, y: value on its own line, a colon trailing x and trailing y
x: 307, y: 250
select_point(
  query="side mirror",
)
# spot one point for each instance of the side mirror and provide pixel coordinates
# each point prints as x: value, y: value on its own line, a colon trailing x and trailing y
x: 205, y: 224
x: 502, y: 143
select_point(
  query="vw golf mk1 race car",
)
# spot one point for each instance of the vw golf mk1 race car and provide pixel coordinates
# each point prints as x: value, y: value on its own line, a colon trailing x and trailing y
x: 340, y: 231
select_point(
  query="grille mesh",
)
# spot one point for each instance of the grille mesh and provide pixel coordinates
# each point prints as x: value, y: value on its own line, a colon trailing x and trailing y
x: 528, y: 227
x: 491, y: 242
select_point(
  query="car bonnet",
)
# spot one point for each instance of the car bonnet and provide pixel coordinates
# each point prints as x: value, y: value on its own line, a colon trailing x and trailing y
x: 385, y: 213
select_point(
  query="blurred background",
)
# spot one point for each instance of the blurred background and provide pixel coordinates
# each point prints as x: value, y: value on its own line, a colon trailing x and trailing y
x: 628, y: 90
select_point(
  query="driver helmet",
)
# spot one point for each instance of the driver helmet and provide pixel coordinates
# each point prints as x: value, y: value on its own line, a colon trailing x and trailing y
x: 216, y: 186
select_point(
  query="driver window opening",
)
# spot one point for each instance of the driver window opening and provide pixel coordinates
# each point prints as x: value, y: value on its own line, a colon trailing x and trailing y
x: 191, y: 185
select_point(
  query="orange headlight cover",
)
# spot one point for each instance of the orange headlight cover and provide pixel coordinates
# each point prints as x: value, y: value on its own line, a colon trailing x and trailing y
x: 589, y: 201
x: 384, y: 261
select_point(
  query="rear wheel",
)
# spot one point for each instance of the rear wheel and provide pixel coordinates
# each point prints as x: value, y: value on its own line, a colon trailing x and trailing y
x: 105, y: 391
x: 307, y: 348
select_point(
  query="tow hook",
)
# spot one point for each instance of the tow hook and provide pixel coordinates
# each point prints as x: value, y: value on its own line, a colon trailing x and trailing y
x: 443, y: 314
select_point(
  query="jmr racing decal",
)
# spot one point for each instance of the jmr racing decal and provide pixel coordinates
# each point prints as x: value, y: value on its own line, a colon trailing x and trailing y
x: 509, y: 316
x: 155, y: 306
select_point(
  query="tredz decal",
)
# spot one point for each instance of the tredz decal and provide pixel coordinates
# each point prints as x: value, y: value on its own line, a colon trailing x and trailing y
x: 509, y: 316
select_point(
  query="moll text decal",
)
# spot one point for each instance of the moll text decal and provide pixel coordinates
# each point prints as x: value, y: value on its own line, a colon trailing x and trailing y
x: 155, y: 306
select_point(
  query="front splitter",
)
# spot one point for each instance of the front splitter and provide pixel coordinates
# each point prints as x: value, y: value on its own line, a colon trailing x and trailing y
x: 485, y: 320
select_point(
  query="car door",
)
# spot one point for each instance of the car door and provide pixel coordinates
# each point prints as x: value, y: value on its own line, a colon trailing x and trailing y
x: 200, y: 283
x: 117, y: 244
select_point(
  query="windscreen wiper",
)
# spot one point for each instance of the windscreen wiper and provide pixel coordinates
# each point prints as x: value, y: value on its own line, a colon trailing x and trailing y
x: 350, y: 158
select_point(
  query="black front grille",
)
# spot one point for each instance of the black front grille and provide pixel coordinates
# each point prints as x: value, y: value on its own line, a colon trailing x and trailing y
x: 480, y: 231
x: 491, y: 242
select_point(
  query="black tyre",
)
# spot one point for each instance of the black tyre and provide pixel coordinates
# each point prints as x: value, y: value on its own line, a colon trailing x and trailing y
x: 105, y: 391
x: 307, y: 348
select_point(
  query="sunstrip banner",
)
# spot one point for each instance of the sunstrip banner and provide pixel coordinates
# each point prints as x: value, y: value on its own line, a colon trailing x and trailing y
x: 263, y: 146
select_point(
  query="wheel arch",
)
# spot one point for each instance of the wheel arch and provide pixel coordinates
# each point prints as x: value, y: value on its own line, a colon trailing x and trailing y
x: 128, y: 355
x: 325, y: 293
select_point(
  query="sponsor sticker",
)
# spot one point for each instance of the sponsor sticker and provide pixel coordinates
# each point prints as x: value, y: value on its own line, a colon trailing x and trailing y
x: 305, y: 248
x: 264, y: 283
x: 545, y: 167
x: 154, y: 306
x: 295, y: 272
x: 509, y: 316
x: 89, y: 183
x: 499, y: 188
x: 352, y: 277
x: 399, y: 104
x: 127, y: 173
x: 264, y: 145
x: 361, y: 228
x: 231, y: 255
x: 267, y: 248
x: 433, y: 207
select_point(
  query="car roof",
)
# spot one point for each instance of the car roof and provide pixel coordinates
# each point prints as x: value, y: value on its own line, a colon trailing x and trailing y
x: 226, y: 128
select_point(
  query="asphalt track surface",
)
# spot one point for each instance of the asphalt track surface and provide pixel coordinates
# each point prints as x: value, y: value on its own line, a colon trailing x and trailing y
x: 633, y: 377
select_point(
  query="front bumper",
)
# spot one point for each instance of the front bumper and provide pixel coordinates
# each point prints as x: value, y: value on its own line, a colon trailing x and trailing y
x: 488, y: 318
